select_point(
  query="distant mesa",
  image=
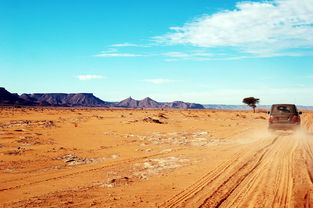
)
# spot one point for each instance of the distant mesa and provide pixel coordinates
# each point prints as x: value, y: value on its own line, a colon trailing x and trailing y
x: 66, y: 100
x: 183, y: 105
x: 85, y: 100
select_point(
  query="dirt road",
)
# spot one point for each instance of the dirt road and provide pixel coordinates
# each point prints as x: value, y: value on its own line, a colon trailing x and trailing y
x: 274, y: 172
x: 105, y: 158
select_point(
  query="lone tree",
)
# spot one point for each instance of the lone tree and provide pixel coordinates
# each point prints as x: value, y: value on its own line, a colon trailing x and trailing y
x: 251, y: 101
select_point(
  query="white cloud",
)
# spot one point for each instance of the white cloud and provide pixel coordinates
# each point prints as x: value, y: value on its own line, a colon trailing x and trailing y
x: 261, y: 28
x: 132, y: 45
x: 118, y: 55
x: 197, y: 56
x: 159, y: 81
x: 88, y: 77
x: 125, y: 45
x: 113, y: 52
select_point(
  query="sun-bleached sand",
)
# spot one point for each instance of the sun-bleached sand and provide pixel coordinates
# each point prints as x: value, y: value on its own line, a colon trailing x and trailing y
x: 67, y: 157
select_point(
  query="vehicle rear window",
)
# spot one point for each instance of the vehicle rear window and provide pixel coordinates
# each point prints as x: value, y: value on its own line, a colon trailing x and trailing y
x: 283, y: 109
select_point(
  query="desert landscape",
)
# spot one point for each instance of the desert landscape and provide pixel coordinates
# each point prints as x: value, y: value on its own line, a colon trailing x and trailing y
x: 96, y: 157
x: 156, y: 104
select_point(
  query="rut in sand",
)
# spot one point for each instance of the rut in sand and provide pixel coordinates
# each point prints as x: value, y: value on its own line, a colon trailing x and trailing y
x: 273, y: 172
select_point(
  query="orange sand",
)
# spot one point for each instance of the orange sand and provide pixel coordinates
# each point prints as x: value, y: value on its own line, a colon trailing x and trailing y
x: 152, y: 158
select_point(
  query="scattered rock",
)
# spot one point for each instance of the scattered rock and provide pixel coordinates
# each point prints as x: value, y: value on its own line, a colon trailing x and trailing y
x: 132, y: 121
x: 28, y: 140
x: 76, y: 160
x: 18, y: 151
x: 162, y: 115
x: 58, y: 148
x: 152, y: 120
x: 117, y: 181
x: 48, y: 124
x: 43, y: 123
x: 70, y: 158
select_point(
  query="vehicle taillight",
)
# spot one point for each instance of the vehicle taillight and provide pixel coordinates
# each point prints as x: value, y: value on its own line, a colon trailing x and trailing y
x: 295, y: 119
x: 271, y: 118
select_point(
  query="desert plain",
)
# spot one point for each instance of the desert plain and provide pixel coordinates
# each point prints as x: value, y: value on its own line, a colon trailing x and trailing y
x: 76, y: 157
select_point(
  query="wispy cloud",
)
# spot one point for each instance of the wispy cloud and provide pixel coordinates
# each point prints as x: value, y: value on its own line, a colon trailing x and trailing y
x: 198, y: 56
x: 88, y: 77
x: 113, y: 52
x: 118, y: 55
x: 260, y: 28
x: 159, y: 81
x: 133, y: 45
x: 125, y: 45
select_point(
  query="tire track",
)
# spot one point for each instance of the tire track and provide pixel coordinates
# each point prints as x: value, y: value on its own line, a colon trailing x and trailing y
x: 303, y: 177
x: 62, y: 175
x: 239, y: 179
x: 242, y: 163
x: 267, y: 176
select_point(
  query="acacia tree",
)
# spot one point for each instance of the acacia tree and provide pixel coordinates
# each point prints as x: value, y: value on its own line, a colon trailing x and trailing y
x: 251, y: 101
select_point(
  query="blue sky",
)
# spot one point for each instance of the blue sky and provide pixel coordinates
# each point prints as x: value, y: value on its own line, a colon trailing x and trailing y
x: 205, y: 51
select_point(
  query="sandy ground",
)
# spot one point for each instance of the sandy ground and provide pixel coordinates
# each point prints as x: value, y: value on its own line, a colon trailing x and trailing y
x: 152, y: 158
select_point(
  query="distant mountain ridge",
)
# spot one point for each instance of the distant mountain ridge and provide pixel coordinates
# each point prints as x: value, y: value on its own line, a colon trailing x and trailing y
x: 150, y: 103
x: 89, y: 100
x: 85, y: 100
x: 66, y: 100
